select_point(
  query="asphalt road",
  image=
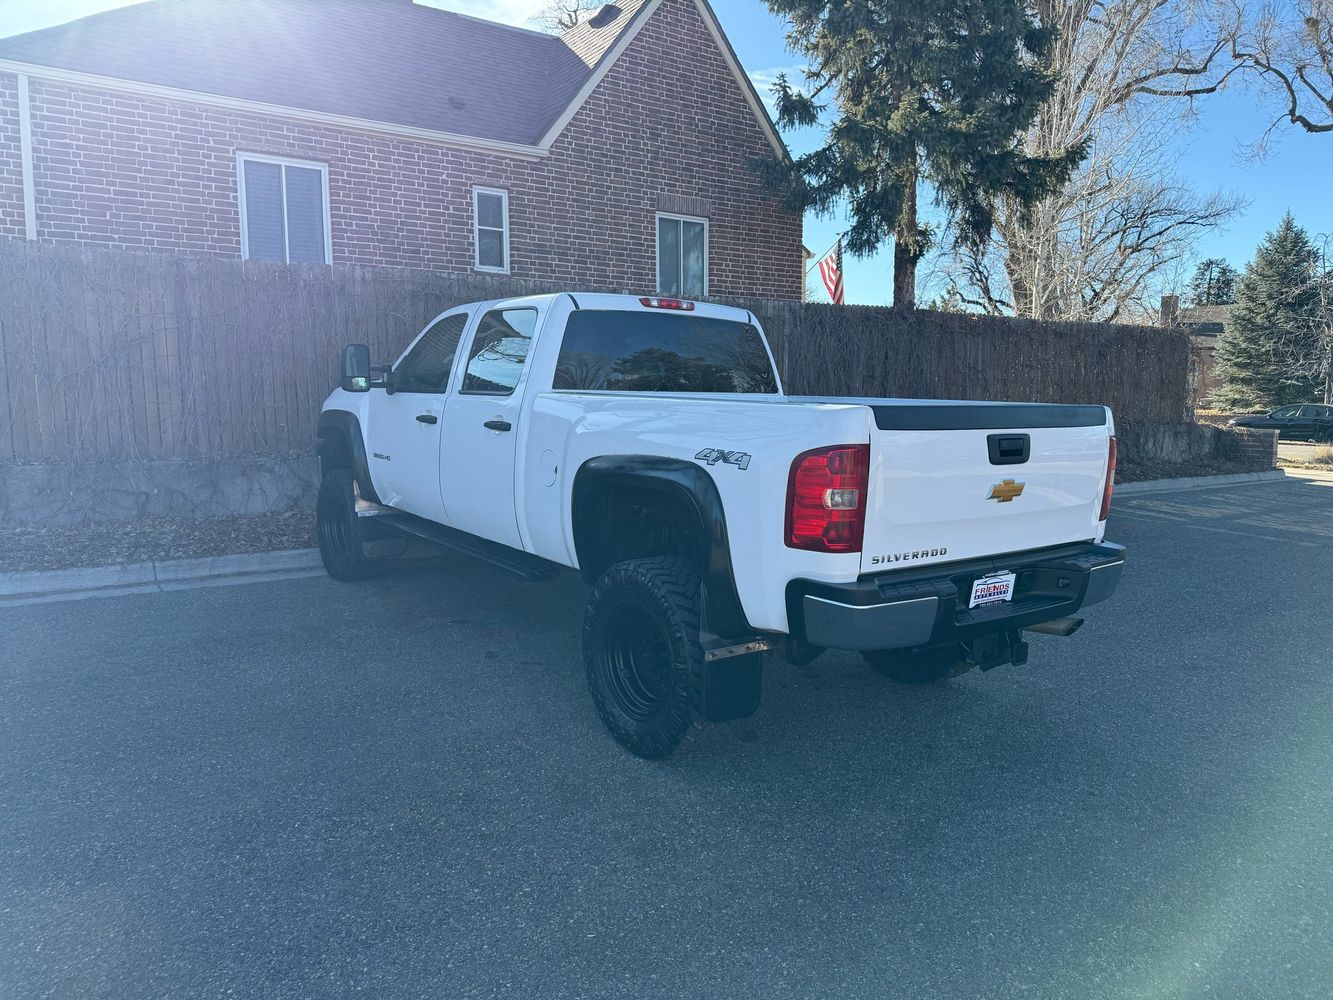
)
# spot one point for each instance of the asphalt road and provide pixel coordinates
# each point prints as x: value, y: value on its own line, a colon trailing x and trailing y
x: 400, y: 789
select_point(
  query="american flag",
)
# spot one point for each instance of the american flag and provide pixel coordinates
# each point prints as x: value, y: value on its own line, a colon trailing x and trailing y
x: 830, y: 269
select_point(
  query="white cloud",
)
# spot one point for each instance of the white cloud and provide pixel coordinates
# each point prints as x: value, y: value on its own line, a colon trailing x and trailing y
x: 516, y: 12
x: 764, y: 79
x: 31, y: 15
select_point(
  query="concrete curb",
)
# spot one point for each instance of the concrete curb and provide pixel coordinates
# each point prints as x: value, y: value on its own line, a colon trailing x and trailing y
x: 1198, y: 482
x: 39, y: 586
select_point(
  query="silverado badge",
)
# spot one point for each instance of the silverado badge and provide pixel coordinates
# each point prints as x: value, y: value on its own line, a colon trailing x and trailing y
x: 1005, y: 491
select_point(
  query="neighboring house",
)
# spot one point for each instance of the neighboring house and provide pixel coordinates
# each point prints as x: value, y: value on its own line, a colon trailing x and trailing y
x: 380, y: 132
x: 1205, y: 325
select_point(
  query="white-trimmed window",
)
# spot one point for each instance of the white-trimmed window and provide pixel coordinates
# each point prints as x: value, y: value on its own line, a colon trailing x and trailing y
x: 682, y: 256
x: 490, y: 229
x: 284, y: 209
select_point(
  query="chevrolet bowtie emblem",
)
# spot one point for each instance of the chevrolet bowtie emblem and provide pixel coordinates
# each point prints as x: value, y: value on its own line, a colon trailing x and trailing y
x: 1005, y: 491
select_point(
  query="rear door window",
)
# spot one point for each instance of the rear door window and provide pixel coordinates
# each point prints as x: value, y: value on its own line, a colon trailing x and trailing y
x: 499, y: 351
x: 621, y: 351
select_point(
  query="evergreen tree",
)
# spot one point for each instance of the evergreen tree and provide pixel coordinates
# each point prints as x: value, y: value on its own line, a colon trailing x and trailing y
x: 1268, y: 355
x: 1213, y: 284
x: 939, y: 91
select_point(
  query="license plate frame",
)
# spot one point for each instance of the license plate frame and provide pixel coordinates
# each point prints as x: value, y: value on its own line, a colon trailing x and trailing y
x: 994, y: 588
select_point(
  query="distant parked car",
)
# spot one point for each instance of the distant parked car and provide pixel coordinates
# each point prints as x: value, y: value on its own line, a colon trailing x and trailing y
x: 1303, y: 422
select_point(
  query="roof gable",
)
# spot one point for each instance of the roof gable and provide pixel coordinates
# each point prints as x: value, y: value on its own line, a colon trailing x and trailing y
x: 714, y: 27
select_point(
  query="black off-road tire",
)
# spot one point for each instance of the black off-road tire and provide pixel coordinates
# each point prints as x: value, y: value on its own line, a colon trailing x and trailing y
x: 924, y: 667
x: 642, y: 654
x: 341, y: 534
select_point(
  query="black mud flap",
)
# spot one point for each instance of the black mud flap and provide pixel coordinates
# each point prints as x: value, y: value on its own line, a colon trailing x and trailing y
x: 732, y: 687
x: 997, y: 649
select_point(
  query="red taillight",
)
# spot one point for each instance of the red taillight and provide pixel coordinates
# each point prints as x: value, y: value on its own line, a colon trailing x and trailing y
x: 826, y: 498
x: 1110, y: 481
x: 654, y: 302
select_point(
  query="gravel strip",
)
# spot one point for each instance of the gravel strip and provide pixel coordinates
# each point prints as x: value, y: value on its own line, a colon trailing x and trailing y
x: 126, y: 542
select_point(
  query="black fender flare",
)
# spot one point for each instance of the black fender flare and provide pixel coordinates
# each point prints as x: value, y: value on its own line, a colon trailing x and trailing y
x: 344, y: 424
x: 694, y: 488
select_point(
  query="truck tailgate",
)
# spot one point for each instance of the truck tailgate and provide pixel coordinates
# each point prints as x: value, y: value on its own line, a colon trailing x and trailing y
x: 951, y: 481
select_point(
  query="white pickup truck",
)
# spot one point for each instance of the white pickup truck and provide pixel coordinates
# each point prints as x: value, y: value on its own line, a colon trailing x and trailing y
x: 647, y: 443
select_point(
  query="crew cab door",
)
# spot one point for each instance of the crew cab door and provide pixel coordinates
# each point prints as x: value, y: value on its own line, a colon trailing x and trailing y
x: 403, y: 438
x: 481, y: 427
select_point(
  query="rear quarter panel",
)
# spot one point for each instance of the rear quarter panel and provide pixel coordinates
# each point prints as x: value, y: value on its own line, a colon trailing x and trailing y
x: 567, y: 429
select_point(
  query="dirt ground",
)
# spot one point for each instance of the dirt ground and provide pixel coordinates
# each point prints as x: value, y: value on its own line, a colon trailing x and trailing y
x: 1142, y: 471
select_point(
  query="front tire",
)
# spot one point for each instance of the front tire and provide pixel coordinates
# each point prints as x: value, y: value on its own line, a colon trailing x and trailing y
x: 341, y: 534
x: 642, y: 654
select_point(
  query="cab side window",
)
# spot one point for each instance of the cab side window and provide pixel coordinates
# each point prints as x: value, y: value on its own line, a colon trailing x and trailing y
x: 428, y: 365
x: 499, y: 351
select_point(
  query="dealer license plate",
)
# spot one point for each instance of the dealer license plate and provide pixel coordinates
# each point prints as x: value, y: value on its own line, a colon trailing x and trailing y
x: 992, y: 589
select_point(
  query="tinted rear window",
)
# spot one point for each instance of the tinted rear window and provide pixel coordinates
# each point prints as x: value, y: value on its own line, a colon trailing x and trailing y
x: 662, y: 352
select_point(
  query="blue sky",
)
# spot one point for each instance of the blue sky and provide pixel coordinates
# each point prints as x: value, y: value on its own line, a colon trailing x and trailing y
x: 1293, y: 175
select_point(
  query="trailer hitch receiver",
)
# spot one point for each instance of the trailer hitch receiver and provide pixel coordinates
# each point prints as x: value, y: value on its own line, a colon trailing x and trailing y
x: 997, y: 649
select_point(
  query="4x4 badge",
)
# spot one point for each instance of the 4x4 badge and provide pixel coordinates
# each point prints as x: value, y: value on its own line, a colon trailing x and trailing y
x: 712, y: 456
x: 1005, y: 491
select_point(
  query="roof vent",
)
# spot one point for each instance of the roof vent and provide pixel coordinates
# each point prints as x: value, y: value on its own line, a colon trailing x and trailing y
x: 456, y: 102
x: 605, y: 16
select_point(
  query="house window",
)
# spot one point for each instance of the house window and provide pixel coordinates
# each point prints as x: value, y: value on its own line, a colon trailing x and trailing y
x: 490, y: 228
x: 682, y: 256
x: 284, y: 210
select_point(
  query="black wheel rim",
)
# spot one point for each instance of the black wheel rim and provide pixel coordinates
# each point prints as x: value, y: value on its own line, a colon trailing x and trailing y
x: 637, y: 662
x: 334, y: 531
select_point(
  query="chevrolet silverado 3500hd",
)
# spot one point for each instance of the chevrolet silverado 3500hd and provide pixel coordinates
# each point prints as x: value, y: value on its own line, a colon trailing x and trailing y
x: 646, y: 442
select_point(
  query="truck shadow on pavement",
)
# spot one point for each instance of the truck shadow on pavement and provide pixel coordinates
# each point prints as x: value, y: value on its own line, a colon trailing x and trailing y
x: 834, y: 715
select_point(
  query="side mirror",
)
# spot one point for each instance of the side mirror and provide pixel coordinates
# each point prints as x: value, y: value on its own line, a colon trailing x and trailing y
x: 356, y: 368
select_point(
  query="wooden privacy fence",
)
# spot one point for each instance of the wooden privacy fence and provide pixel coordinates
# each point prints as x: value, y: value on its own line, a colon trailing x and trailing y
x: 1141, y: 372
x: 107, y: 354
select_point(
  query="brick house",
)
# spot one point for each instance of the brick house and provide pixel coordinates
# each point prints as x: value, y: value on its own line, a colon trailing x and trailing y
x: 382, y: 132
x: 1205, y: 325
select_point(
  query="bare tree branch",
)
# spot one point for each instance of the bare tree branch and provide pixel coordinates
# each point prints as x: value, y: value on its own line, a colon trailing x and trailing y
x: 1289, y: 49
x: 1093, y: 249
x: 561, y: 15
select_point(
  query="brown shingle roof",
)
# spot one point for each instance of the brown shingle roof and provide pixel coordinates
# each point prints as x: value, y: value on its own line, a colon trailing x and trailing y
x: 1205, y: 320
x: 388, y: 61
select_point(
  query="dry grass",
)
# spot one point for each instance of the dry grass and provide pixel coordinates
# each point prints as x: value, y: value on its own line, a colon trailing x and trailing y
x: 1319, y: 456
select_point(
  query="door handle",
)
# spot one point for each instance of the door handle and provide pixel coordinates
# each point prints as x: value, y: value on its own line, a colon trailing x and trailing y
x: 428, y: 418
x: 498, y: 425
